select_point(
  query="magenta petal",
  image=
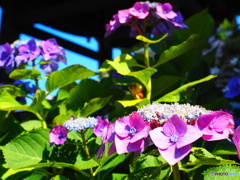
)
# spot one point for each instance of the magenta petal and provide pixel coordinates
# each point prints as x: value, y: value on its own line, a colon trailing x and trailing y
x: 236, y: 140
x: 173, y: 155
x: 191, y: 135
x: 124, y: 146
x: 136, y: 121
x: 112, y: 149
x: 132, y: 147
x: 121, y: 126
x: 175, y: 125
x: 159, y: 139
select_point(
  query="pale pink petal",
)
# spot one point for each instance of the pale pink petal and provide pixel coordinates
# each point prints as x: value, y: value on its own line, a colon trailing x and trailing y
x: 191, y: 135
x: 121, y: 126
x: 159, y: 139
x: 217, y: 136
x: 173, y: 155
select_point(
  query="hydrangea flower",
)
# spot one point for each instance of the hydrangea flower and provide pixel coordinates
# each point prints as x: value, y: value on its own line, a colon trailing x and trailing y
x: 49, y: 67
x: 27, y: 52
x: 236, y: 140
x: 147, y: 19
x: 173, y: 139
x: 216, y: 125
x: 165, y: 11
x: 130, y: 133
x: 98, y: 129
x: 58, y: 135
x: 108, y: 134
x: 157, y: 114
x: 139, y: 10
x: 80, y: 124
x: 6, y: 57
x: 233, y: 87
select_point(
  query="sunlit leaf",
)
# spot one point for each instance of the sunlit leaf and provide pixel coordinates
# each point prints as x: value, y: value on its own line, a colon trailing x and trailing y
x: 24, y: 74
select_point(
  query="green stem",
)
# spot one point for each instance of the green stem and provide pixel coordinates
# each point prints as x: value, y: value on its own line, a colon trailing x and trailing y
x: 146, y: 61
x: 146, y: 54
x: 176, y: 173
x: 44, y: 124
x: 85, y: 145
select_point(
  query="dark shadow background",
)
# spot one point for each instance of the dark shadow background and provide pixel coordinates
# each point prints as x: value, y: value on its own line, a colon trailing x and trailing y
x: 88, y: 18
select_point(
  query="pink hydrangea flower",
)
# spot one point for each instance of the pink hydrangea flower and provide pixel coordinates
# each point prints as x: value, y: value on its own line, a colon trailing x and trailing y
x: 130, y: 133
x: 216, y: 125
x: 140, y: 10
x: 236, y: 140
x: 58, y: 135
x: 173, y: 139
x: 165, y: 11
x: 124, y: 16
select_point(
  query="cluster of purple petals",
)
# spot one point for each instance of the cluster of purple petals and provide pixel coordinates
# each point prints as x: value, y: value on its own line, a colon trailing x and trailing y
x: 173, y: 139
x: 233, y: 87
x: 148, y: 19
x: 21, y: 52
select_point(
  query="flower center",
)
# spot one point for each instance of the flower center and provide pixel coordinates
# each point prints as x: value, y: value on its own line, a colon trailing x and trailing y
x: 132, y: 131
x: 174, y: 138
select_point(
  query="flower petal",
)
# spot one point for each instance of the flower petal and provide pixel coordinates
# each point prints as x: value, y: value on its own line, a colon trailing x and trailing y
x: 173, y: 155
x: 175, y: 125
x: 191, y: 135
x: 121, y: 126
x: 159, y: 139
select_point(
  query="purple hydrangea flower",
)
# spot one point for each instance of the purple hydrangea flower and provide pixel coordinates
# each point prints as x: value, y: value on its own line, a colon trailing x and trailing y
x: 140, y: 10
x: 98, y: 129
x: 216, y: 125
x: 233, y: 87
x: 58, y: 135
x: 112, y: 25
x: 106, y: 130
x: 6, y: 57
x: 173, y: 139
x: 27, y: 52
x: 130, y: 133
x: 177, y: 21
x: 49, y: 67
x: 236, y: 140
x: 165, y: 11
x: 51, y: 50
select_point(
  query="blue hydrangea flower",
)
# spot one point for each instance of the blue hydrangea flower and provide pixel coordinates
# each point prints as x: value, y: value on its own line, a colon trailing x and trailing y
x: 233, y: 87
x: 80, y: 123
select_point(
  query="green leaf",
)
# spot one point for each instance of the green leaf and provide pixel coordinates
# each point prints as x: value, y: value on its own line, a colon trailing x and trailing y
x: 59, y: 177
x: 13, y: 90
x: 151, y: 41
x: 9, y: 103
x: 143, y: 75
x: 24, y: 74
x: 31, y: 125
x: 119, y: 176
x: 121, y: 67
x: 37, y: 100
x: 177, y: 50
x: 26, y: 150
x: 94, y: 105
x: 224, y: 147
x: 134, y: 102
x: 222, y: 173
x: 61, y: 78
x: 174, y: 96
x: 113, y: 162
